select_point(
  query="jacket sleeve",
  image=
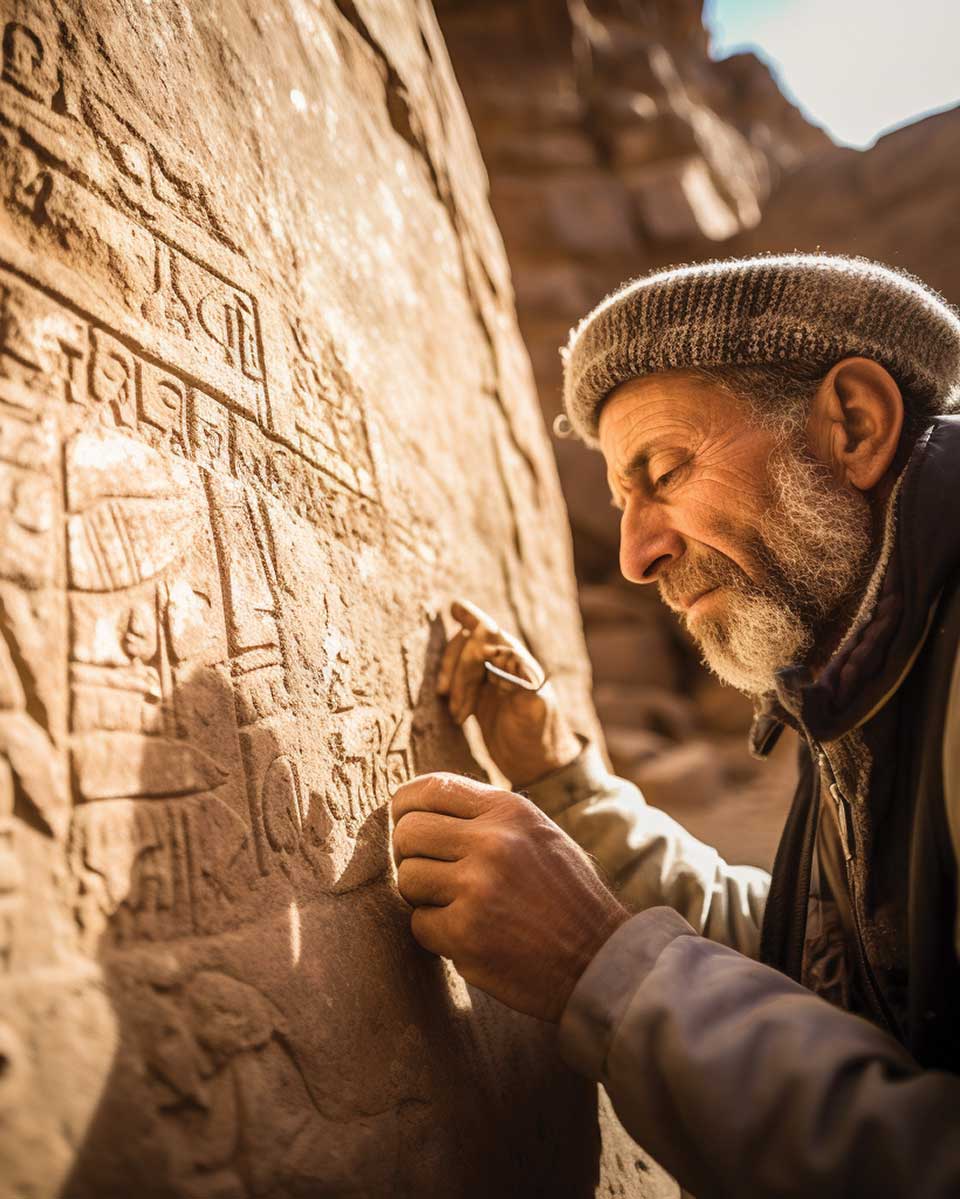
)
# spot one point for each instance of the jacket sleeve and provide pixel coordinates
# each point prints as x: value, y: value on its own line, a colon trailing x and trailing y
x: 951, y: 781
x: 648, y: 859
x: 742, y: 1083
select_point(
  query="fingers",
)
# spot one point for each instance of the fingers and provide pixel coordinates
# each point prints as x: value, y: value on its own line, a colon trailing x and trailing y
x: 451, y: 656
x: 463, y: 673
x: 470, y: 675
x: 470, y: 616
x: 422, y: 834
x: 425, y: 881
x: 478, y: 628
x: 448, y: 794
x: 517, y: 662
x: 431, y: 927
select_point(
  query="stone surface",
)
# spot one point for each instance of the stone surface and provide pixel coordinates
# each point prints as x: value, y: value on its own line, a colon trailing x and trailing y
x: 263, y: 411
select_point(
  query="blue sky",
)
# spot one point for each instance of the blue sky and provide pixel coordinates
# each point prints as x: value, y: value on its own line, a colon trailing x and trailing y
x: 857, y: 67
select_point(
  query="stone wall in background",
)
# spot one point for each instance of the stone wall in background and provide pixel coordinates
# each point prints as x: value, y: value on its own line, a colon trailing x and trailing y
x: 264, y: 409
x: 614, y: 145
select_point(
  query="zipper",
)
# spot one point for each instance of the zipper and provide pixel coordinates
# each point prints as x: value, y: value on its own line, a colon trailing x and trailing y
x: 844, y: 822
x: 845, y: 827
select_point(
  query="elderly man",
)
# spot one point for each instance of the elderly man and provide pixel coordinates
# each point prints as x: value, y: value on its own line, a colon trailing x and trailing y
x: 777, y: 435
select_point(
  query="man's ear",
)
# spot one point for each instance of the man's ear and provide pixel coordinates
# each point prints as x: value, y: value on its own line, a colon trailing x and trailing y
x: 856, y: 421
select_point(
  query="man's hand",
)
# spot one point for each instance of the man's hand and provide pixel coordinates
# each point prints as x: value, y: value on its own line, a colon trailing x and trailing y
x: 524, y: 731
x: 500, y: 890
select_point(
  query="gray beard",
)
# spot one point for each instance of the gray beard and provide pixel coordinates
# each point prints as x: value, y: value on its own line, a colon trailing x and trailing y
x: 813, y: 545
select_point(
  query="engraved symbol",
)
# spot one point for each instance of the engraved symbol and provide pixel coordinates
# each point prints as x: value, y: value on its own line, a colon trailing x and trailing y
x: 213, y: 1046
x: 399, y: 763
x: 192, y: 302
x: 168, y: 307
x: 41, y: 348
x: 28, y: 503
x: 30, y: 768
x: 228, y: 319
x: 332, y: 429
x: 31, y: 185
x: 249, y: 603
x: 280, y: 804
x: 180, y: 185
x: 24, y: 63
x: 208, y: 431
x: 118, y: 765
x: 113, y: 379
x: 158, y: 831
x: 163, y: 409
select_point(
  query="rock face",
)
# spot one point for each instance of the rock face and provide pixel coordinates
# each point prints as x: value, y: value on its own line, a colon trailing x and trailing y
x: 263, y: 411
x: 895, y: 202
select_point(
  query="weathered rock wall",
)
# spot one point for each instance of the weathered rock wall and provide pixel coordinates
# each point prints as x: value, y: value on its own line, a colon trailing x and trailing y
x: 895, y: 202
x: 263, y: 411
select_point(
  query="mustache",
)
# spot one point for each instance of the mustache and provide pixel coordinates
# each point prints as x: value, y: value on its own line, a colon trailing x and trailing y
x: 692, y: 575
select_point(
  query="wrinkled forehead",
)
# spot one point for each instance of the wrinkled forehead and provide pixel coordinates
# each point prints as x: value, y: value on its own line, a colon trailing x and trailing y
x: 672, y: 405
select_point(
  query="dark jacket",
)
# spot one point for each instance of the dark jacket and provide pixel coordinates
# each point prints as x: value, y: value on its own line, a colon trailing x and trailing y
x: 872, y: 756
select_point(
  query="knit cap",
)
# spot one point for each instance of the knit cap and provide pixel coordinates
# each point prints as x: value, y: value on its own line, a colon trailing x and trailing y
x: 809, y: 308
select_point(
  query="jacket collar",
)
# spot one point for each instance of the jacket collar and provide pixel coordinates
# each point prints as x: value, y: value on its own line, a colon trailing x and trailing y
x: 919, y: 554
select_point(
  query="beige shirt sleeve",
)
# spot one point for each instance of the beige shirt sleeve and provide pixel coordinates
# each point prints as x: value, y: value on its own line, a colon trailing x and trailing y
x: 649, y: 859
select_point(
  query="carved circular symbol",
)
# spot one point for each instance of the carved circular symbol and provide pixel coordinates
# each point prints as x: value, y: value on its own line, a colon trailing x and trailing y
x: 281, y: 811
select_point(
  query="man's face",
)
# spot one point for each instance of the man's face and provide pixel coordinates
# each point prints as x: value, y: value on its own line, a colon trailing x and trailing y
x: 748, y: 536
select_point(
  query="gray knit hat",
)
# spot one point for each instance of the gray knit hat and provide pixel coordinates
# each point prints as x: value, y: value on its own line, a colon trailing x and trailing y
x: 808, y: 308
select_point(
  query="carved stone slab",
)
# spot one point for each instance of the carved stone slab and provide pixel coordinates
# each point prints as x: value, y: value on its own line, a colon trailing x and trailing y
x: 263, y: 412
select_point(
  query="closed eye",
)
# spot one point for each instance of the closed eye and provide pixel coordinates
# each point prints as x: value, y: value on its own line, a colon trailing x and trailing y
x: 670, y: 477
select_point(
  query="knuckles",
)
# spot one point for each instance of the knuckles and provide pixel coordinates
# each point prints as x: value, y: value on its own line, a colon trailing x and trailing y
x: 503, y: 848
x: 476, y: 886
x: 444, y: 791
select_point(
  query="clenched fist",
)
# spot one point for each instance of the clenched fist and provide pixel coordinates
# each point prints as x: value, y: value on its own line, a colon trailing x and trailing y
x: 524, y: 730
x: 500, y: 890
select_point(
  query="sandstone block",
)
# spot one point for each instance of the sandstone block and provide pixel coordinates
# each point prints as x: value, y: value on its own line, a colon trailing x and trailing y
x: 590, y: 214
x: 588, y: 496
x: 650, y: 138
x: 551, y: 288
x: 549, y: 149
x: 678, y: 200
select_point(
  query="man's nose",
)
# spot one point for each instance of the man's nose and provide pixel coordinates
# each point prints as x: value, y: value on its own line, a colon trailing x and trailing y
x: 648, y: 544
